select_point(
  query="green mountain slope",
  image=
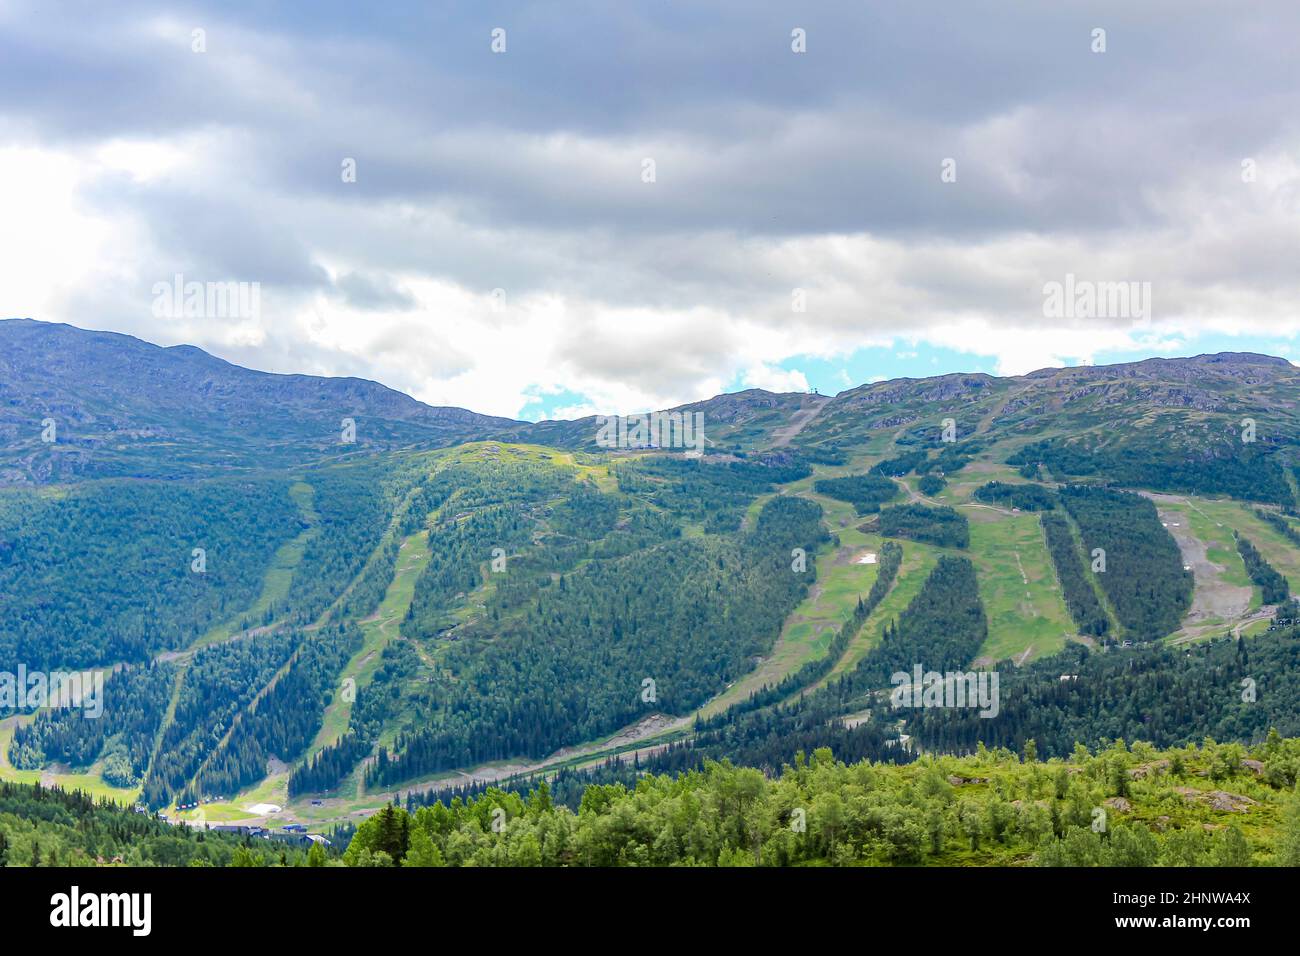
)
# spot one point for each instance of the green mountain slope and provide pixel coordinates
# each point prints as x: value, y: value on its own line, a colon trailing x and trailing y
x: 456, y: 599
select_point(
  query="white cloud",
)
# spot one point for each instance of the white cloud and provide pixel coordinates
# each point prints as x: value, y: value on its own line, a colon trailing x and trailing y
x: 50, y: 242
x: 775, y: 379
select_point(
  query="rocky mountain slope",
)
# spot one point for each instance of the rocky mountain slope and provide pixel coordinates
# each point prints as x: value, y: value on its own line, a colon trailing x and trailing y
x: 121, y: 406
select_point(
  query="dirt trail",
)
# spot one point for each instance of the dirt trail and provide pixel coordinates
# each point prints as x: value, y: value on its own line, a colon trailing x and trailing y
x: 187, y: 654
x: 799, y: 420
x: 1212, y: 597
x: 1267, y: 611
x: 1023, y: 577
x: 650, y: 726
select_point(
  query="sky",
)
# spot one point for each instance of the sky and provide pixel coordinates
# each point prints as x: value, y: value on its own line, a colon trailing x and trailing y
x: 556, y: 209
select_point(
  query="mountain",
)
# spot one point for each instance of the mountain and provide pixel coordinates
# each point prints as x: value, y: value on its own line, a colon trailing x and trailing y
x: 456, y: 599
x: 1226, y: 423
x: 125, y: 407
x: 1225, y: 385
x: 753, y: 418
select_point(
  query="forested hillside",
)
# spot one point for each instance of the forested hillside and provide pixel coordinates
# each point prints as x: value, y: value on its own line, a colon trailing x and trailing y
x: 1120, y: 806
x: 322, y: 627
x: 1228, y: 690
x: 107, y: 573
x: 42, y: 826
x: 575, y: 665
x: 1139, y: 566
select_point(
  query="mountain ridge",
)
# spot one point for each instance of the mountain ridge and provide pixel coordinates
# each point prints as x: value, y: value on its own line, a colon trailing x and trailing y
x: 123, y: 406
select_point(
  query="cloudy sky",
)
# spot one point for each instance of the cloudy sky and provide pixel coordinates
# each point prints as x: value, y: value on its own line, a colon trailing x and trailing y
x: 632, y: 205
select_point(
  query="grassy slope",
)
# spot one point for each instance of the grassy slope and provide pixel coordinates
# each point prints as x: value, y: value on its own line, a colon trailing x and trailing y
x: 378, y: 630
x: 918, y: 561
x: 1277, y: 550
x: 1213, y: 520
x: 89, y: 781
x: 1022, y: 597
x: 808, y: 631
x: 1027, y: 615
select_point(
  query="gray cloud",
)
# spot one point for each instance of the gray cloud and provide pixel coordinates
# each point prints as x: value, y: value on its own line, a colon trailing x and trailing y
x: 521, y: 171
x: 372, y: 293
